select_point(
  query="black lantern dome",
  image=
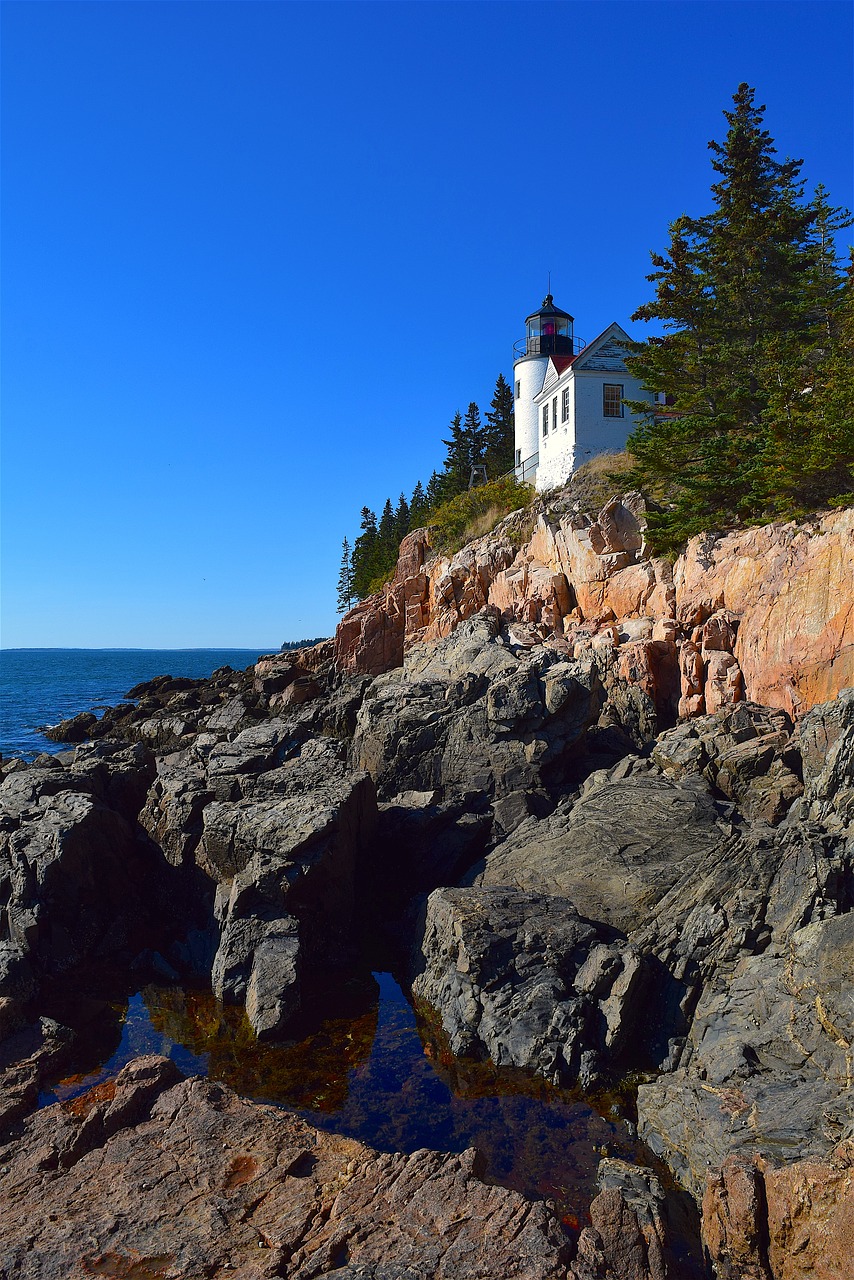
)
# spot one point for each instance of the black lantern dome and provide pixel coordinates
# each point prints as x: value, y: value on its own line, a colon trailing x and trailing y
x: 548, y: 332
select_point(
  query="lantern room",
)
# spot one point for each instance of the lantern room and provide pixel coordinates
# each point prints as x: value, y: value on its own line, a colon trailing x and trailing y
x: 548, y: 332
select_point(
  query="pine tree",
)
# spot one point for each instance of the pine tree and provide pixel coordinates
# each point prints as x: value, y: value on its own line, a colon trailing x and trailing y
x: 401, y: 519
x: 742, y: 294
x: 433, y: 491
x: 499, y: 431
x: 455, y: 475
x: 809, y: 444
x: 365, y: 554
x: 418, y: 507
x: 345, y: 579
x: 474, y: 436
x: 387, y: 542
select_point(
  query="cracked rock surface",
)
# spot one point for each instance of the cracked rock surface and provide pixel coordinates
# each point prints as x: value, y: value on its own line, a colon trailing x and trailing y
x: 187, y: 1180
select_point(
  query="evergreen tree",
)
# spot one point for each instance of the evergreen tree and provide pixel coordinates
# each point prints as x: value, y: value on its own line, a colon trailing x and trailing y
x: 499, y: 431
x: 808, y: 454
x: 474, y: 436
x: 433, y: 492
x: 742, y: 293
x: 418, y: 507
x: 345, y: 579
x: 365, y: 554
x: 401, y: 519
x: 386, y: 526
x: 455, y: 476
x: 387, y: 542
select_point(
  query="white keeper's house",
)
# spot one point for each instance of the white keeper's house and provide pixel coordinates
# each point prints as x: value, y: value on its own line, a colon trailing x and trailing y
x: 568, y: 396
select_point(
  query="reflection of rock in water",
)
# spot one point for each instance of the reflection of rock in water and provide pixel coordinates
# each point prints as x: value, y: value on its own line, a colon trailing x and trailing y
x: 310, y: 1073
x: 533, y: 1136
x: 97, y: 1025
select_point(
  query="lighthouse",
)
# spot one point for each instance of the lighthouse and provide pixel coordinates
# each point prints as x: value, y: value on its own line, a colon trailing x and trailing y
x: 548, y: 332
x: 570, y: 397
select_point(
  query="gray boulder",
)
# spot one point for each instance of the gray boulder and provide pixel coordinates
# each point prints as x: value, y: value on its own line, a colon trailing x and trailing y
x: 467, y: 714
x: 618, y: 847
x: 746, y: 751
x: 522, y: 979
x: 75, y: 883
x: 287, y: 866
x: 767, y: 1064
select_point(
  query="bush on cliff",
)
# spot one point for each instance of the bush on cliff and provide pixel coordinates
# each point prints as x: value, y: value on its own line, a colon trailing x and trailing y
x: 755, y: 358
x: 477, y: 511
x: 462, y: 518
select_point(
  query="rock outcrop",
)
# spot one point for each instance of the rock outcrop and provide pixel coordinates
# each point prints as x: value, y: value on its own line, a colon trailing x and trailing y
x: 146, y: 1176
x: 765, y: 614
x: 76, y: 884
x: 618, y: 796
x: 788, y: 1222
x: 522, y: 979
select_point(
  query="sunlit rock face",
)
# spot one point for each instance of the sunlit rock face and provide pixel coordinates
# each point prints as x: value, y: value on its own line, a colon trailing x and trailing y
x: 143, y: 1176
x: 765, y: 614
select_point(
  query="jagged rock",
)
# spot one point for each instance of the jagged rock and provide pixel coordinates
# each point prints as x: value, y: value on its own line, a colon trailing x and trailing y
x: 370, y: 638
x: 258, y: 964
x: 825, y: 741
x: 522, y: 979
x: 75, y: 729
x: 141, y: 1174
x: 794, y: 1222
x: 628, y: 1233
x: 776, y: 1017
x: 617, y: 849
x: 287, y: 863
x: 767, y: 612
x: 467, y: 715
x: 27, y: 1053
x: 172, y: 813
x: 75, y: 883
x: 747, y: 752
x: 792, y: 590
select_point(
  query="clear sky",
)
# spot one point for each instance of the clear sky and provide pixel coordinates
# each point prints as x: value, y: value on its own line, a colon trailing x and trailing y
x: 257, y: 254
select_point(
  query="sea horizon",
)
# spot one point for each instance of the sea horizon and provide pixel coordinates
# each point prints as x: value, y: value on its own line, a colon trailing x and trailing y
x: 41, y: 685
x: 139, y: 648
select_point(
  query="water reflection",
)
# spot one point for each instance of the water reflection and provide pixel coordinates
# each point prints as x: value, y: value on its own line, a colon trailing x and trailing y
x: 372, y: 1071
x: 310, y: 1074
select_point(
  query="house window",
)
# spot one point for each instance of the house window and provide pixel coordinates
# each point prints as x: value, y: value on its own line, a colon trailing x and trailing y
x: 518, y: 390
x: 612, y: 400
x: 545, y: 419
x: 564, y: 407
x: 554, y: 414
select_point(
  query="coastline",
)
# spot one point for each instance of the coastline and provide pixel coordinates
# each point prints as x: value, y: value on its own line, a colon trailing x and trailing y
x: 573, y: 887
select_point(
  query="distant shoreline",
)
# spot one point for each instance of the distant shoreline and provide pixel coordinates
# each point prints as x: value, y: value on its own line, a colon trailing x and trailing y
x: 195, y: 648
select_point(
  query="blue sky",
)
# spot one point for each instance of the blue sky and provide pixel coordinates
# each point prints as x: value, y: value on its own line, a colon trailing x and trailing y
x: 257, y: 254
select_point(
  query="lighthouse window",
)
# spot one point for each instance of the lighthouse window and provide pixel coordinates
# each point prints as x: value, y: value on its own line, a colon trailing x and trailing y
x: 518, y: 390
x: 545, y: 419
x: 612, y: 400
x: 564, y: 408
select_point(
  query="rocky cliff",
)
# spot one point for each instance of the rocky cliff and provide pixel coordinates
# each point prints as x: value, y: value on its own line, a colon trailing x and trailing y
x: 764, y: 614
x: 603, y: 808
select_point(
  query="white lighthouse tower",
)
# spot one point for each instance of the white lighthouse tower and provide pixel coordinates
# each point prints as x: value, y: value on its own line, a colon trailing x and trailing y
x: 548, y: 332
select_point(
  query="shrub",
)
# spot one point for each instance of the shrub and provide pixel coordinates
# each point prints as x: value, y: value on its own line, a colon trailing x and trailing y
x: 477, y: 511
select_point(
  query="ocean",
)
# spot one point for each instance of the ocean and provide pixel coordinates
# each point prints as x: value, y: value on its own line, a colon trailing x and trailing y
x: 40, y: 687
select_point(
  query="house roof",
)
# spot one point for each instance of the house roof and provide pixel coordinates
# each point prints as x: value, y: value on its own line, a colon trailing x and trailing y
x: 558, y: 365
x: 613, y: 330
